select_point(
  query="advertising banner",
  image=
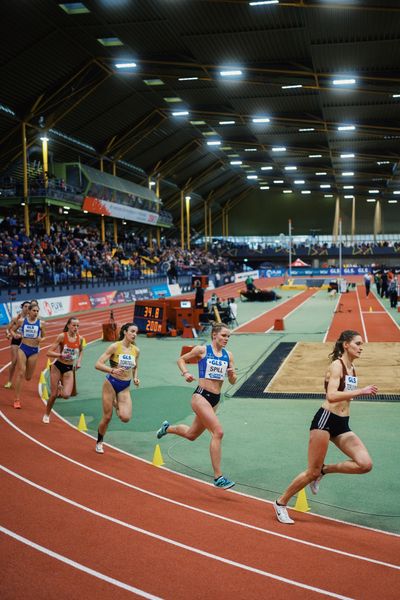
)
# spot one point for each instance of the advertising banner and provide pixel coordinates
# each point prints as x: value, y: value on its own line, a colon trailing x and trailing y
x: 160, y: 291
x: 272, y: 273
x: 121, y: 211
x: 243, y: 276
x: 4, y: 315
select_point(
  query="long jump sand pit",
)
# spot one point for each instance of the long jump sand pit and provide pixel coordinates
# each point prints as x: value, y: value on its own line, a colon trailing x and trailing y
x: 304, y: 369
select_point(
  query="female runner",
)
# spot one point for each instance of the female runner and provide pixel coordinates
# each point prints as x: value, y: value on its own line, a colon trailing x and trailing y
x: 123, y: 357
x: 15, y: 338
x: 331, y: 423
x: 214, y: 364
x: 33, y: 334
x: 67, y: 349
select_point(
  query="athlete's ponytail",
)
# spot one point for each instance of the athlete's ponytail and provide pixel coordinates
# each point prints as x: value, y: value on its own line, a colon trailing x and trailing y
x: 345, y: 336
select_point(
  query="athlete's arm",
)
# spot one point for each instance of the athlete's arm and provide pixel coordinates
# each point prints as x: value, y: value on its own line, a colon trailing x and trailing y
x: 136, y: 379
x: 232, y: 377
x: 105, y: 357
x: 55, y: 349
x: 78, y: 362
x: 332, y: 392
x: 13, y: 326
x: 42, y: 333
x: 195, y: 354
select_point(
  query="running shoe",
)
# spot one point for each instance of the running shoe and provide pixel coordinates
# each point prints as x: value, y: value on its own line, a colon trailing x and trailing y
x: 8, y: 385
x: 163, y: 429
x: 282, y: 514
x: 17, y: 404
x: 99, y: 448
x: 46, y: 419
x: 314, y: 485
x: 224, y: 483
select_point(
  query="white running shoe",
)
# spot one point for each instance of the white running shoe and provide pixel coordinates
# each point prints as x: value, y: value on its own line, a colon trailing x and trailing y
x: 282, y: 514
x: 46, y: 419
x: 314, y: 485
x: 99, y: 448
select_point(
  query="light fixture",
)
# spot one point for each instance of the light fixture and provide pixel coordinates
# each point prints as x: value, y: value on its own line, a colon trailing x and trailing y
x: 278, y: 181
x: 305, y: 191
x: 392, y: 201
x: 74, y: 8
x: 226, y: 122
x: 291, y: 87
x: 279, y: 149
x: 299, y: 181
x: 383, y: 162
x: 328, y: 195
x: 346, y: 128
x: 130, y: 65
x: 250, y: 149
x: 236, y: 162
x: 315, y: 156
x: 197, y: 122
x: 252, y: 176
x: 395, y: 95
x: 344, y: 81
x: 187, y: 198
x: 396, y: 192
x: 261, y: 120
x: 325, y: 185
x: 264, y: 187
x: 307, y: 129
x: 348, y: 187
x: 66, y: 207
x: 347, y: 173
x: 180, y: 113
x: 44, y: 138
x: 172, y: 99
x: 347, y: 155
x: 231, y: 73
x: 213, y: 143
x: 371, y: 199
x: 187, y: 78
x: 349, y: 197
x: 291, y: 168
x: 287, y: 191
x: 261, y: 2
x: 268, y: 168
x: 321, y: 173
x: 110, y: 41
x: 86, y: 212
x: 153, y: 82
x: 373, y: 191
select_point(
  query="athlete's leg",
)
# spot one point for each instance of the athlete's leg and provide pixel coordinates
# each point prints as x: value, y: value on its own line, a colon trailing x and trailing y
x: 208, y: 419
x: 55, y: 376
x: 21, y: 370
x: 31, y: 365
x: 124, y: 405
x: 67, y: 384
x: 351, y: 445
x: 108, y: 398
x: 317, y: 449
x: 13, y: 363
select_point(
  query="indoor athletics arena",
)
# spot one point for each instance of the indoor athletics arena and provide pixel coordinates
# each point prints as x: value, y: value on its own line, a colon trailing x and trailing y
x: 199, y: 299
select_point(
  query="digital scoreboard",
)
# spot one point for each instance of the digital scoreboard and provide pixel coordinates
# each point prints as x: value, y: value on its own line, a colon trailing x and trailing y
x: 150, y: 316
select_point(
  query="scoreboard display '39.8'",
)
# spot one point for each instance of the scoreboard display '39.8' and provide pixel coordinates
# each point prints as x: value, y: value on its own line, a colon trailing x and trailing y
x: 150, y: 316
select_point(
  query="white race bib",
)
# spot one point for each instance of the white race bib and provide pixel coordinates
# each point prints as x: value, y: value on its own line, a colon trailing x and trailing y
x: 126, y: 361
x: 31, y: 331
x: 216, y: 369
x: 69, y: 353
x: 350, y: 383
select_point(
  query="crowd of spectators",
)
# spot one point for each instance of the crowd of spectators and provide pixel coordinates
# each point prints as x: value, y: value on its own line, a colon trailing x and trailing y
x: 75, y: 253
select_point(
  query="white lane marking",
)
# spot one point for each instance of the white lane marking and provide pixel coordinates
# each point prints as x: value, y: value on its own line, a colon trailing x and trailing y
x: 78, y: 566
x: 387, y: 312
x: 266, y: 312
x: 293, y: 310
x: 361, y: 316
x: 196, y: 509
x: 177, y: 544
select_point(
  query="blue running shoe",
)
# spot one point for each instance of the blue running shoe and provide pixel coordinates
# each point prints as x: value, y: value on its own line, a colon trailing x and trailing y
x: 224, y: 483
x: 163, y: 430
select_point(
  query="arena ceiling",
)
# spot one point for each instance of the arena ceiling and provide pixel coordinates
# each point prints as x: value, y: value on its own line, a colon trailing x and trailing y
x: 59, y: 75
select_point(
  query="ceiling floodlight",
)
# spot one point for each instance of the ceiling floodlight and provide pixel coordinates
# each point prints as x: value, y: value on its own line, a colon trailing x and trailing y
x: 392, y: 201
x: 226, y: 122
x: 264, y: 187
x: 110, y: 41
x: 291, y: 168
x: 348, y: 187
x: 250, y: 149
x: 321, y: 173
x: 305, y: 192
x: 383, y: 162
x: 278, y: 181
x: 299, y: 181
x: 290, y: 87
x: 396, y: 192
x: 328, y: 195
x: 307, y: 129
x: 347, y: 155
x: 268, y: 168
x: 346, y: 128
x: 213, y: 143
x: 344, y: 81
x: 261, y: 2
x: 279, y: 149
x: 44, y: 138
x: 197, y: 122
x: 74, y: 8
x: 347, y: 173
x: 180, y: 113
x: 232, y: 73
x: 252, y: 177
x: 373, y: 191
x: 153, y: 82
x: 287, y: 191
x: 325, y: 185
x: 172, y: 99
x: 371, y: 199
x: 187, y: 78
x: 127, y: 65
x: 349, y: 197
x: 315, y: 156
x: 395, y: 95
x: 236, y: 162
x: 261, y: 120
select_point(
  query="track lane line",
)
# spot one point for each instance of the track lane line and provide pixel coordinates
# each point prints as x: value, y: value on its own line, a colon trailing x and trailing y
x: 196, y: 509
x: 177, y: 544
x: 78, y: 566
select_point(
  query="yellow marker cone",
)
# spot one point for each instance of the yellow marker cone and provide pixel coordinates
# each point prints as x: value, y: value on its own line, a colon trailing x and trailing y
x: 157, y: 457
x: 370, y: 309
x: 45, y: 394
x: 301, y: 502
x: 42, y: 378
x: 82, y: 423
x: 84, y: 342
x: 48, y: 365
